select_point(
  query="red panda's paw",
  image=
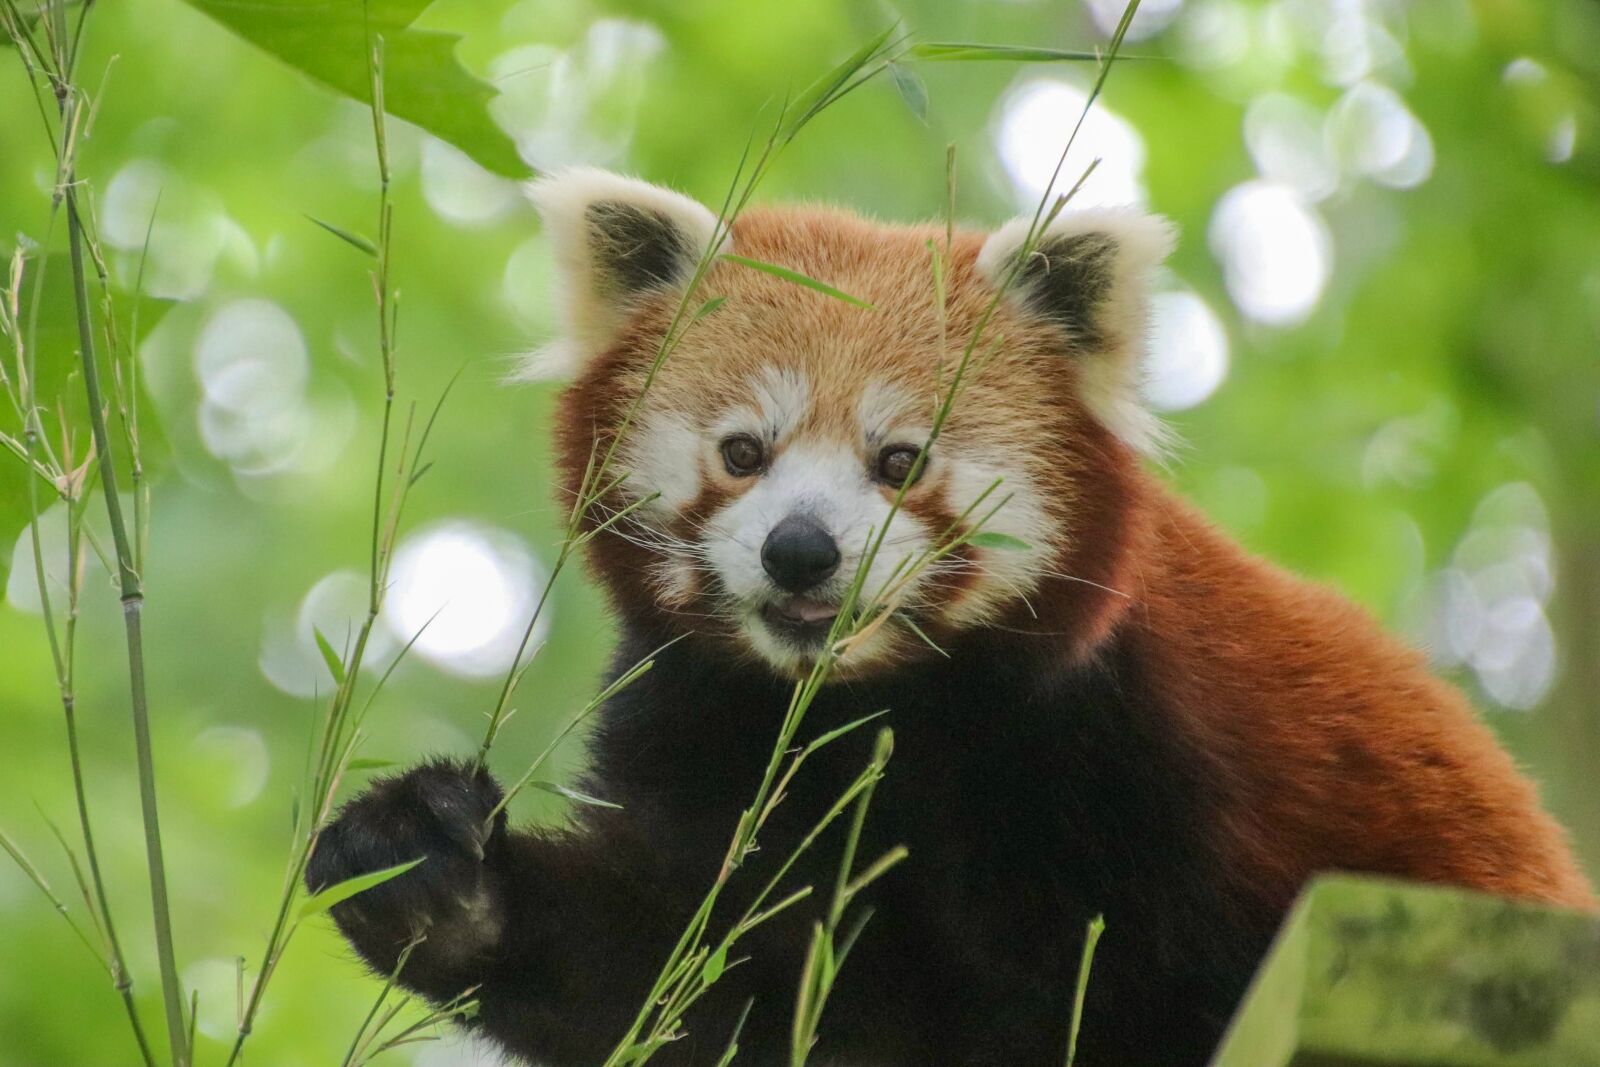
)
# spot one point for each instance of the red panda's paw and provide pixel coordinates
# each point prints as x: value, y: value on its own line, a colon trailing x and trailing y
x: 451, y: 903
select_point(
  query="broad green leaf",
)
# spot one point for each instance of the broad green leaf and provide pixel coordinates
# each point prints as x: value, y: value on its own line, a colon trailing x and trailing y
x: 574, y: 795
x: 339, y: 892
x: 796, y: 277
x: 995, y: 539
x: 423, y: 82
x: 329, y: 656
x: 952, y: 51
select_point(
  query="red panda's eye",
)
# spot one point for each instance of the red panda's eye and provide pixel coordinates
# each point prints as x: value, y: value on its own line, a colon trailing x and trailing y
x: 896, y: 463
x: 743, y: 455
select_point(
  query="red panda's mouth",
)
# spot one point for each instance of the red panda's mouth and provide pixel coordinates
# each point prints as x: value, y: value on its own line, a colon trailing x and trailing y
x: 801, y: 619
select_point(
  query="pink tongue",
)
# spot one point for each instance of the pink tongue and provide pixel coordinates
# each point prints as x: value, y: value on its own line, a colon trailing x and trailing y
x: 810, y: 610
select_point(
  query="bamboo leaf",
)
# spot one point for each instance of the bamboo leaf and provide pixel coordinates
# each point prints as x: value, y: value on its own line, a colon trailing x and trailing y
x: 790, y: 275
x: 715, y: 964
x: 995, y: 539
x: 574, y: 795
x: 351, y: 238
x: 733, y: 1039
x: 828, y: 88
x: 709, y: 307
x: 911, y: 89
x: 840, y: 731
x: 339, y: 892
x: 1091, y: 938
x: 910, y: 624
x: 962, y: 52
x: 329, y: 656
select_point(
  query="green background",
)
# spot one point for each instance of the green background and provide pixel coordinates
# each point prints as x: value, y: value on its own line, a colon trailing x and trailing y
x: 1425, y: 433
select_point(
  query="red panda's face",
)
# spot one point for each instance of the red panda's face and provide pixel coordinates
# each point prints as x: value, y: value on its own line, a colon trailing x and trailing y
x: 764, y: 459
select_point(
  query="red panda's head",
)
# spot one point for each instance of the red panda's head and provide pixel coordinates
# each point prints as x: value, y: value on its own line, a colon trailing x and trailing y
x: 770, y: 445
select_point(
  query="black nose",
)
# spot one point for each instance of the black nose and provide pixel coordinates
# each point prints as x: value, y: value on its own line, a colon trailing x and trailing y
x: 799, y: 554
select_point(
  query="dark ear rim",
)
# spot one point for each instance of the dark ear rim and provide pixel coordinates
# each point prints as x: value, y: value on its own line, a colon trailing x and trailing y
x: 1088, y: 273
x: 594, y: 298
x: 1114, y: 253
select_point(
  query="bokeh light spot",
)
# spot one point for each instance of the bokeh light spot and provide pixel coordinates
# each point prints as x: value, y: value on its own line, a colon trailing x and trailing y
x: 1151, y: 18
x: 251, y: 361
x: 1486, y: 610
x: 1372, y: 133
x: 576, y: 106
x: 459, y: 190
x: 1036, y: 118
x: 1285, y: 139
x: 468, y: 590
x: 1275, y: 252
x: 233, y: 760
x: 1188, y: 353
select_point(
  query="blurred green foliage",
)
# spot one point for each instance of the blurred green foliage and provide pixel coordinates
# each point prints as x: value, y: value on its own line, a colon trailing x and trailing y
x: 1420, y: 427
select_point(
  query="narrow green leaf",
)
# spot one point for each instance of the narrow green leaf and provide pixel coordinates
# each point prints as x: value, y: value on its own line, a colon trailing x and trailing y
x: 709, y: 307
x: 909, y: 85
x: 329, y: 656
x: 910, y: 624
x: 574, y: 795
x: 796, y: 277
x: 962, y: 52
x: 370, y: 764
x: 339, y: 892
x: 733, y: 1039
x: 995, y: 539
x: 825, y: 90
x: 840, y: 731
x: 347, y: 236
x: 1097, y: 926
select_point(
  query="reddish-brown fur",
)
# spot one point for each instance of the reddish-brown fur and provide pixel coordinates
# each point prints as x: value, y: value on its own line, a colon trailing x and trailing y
x: 1339, y: 742
x: 1160, y: 728
x: 1341, y: 749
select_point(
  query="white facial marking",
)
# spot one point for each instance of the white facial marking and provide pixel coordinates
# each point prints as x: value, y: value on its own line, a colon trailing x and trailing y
x: 783, y: 398
x: 1013, y: 507
x: 831, y: 483
x: 828, y: 483
x: 662, y: 457
x: 882, y: 406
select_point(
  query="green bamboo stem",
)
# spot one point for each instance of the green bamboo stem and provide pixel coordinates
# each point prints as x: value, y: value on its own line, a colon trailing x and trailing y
x: 132, y: 591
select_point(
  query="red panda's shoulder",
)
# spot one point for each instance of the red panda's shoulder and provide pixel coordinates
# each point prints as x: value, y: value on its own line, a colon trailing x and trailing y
x: 1329, y: 742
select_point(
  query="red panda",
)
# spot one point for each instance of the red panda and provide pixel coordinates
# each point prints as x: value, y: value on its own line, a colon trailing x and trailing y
x: 1118, y: 712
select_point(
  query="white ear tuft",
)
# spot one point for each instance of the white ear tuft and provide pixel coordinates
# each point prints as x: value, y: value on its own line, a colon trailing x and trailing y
x: 1089, y: 273
x: 615, y: 240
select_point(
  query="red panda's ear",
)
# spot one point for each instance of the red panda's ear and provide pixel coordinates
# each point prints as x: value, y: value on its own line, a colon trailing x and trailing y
x: 1089, y: 272
x: 615, y: 240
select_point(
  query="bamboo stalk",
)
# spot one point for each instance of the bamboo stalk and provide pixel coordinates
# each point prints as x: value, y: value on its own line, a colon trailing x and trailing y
x: 132, y: 592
